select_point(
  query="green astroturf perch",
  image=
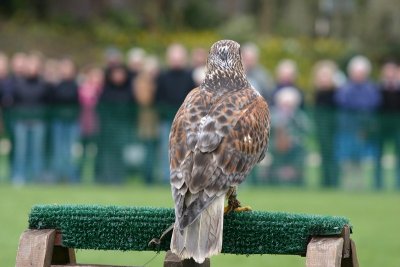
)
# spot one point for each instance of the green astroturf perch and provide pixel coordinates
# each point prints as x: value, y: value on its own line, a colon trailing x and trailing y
x: 131, y: 228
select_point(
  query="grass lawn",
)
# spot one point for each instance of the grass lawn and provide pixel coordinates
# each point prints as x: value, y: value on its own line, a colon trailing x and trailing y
x: 375, y: 217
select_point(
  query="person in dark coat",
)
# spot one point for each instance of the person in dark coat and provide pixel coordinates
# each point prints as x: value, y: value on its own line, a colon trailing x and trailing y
x: 325, y: 120
x: 175, y: 82
x: 116, y: 122
x: 173, y: 85
x: 29, y: 129
x: 64, y: 124
x: 389, y: 88
x: 117, y: 86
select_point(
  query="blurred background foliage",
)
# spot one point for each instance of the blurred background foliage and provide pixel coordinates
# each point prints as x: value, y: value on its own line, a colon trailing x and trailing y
x: 305, y: 30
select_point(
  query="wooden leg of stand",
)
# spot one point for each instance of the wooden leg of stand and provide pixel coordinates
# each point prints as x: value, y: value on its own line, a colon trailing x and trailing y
x: 35, y: 248
x: 62, y: 255
x: 351, y: 261
x: 324, y: 252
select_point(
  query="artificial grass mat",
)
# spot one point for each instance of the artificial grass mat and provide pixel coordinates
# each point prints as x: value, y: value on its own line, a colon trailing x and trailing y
x: 131, y: 228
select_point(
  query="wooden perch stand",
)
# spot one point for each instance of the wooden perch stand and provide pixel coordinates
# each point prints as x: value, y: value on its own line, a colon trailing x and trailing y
x: 56, y: 231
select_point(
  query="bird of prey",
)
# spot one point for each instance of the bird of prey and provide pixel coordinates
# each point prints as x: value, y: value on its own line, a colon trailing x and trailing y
x: 219, y: 133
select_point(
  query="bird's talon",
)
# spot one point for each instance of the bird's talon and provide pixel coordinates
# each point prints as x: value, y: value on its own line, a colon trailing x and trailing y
x: 241, y: 209
x: 157, y: 241
x: 227, y: 209
x: 154, y: 241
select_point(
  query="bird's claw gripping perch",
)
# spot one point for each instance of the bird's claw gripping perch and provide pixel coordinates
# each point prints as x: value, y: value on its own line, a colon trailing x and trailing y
x: 157, y: 241
x: 234, y: 203
x: 245, y: 208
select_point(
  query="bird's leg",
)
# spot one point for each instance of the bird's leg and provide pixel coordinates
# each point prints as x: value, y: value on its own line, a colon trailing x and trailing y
x: 233, y: 202
x: 157, y: 241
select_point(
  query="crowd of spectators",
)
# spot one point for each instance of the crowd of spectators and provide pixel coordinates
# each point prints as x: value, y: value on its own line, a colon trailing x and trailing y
x: 53, y: 114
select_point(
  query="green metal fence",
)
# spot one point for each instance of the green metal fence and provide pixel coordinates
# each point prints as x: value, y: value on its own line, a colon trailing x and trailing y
x: 114, y: 144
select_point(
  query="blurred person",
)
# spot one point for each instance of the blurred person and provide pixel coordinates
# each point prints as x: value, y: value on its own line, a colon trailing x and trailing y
x: 359, y: 93
x: 66, y: 89
x: 324, y: 83
x: 90, y: 87
x: 89, y: 91
x: 29, y: 129
x: 198, y: 57
x: 12, y: 72
x: 51, y: 73
x: 389, y: 86
x: 173, y: 85
x: 136, y: 57
x: 64, y: 129
x: 286, y: 75
x: 148, y: 118
x: 144, y: 85
x: 289, y: 126
x: 115, y: 140
x: 198, y: 64
x: 5, y: 84
x: 113, y: 57
x: 91, y: 83
x: 115, y: 112
x: 4, y: 71
x: 18, y: 64
x: 325, y: 120
x: 5, y: 81
x: 358, y: 129
x: 117, y: 86
x: 135, y: 61
x: 176, y: 81
x: 258, y: 76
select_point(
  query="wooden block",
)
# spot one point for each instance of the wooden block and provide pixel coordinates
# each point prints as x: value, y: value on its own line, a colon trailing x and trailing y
x: 351, y: 261
x: 324, y: 252
x: 62, y: 255
x: 58, y: 238
x: 172, y: 260
x: 192, y: 263
x: 35, y: 248
x: 346, y: 241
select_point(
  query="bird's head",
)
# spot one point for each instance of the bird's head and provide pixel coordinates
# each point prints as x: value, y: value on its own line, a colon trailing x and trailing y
x: 224, y: 55
x: 224, y: 67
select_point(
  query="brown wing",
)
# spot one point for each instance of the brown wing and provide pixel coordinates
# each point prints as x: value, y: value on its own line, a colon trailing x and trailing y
x: 214, y: 144
x: 182, y: 142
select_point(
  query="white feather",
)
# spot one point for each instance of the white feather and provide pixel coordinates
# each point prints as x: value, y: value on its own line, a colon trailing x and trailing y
x: 203, y: 238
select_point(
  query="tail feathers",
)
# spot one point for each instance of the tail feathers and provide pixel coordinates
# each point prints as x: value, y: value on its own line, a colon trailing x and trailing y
x: 202, y: 238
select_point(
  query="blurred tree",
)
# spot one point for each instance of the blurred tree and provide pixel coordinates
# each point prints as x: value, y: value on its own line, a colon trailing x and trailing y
x: 368, y: 22
x: 198, y: 15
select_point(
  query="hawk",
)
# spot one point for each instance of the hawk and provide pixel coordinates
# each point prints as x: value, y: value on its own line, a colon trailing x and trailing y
x: 219, y: 133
